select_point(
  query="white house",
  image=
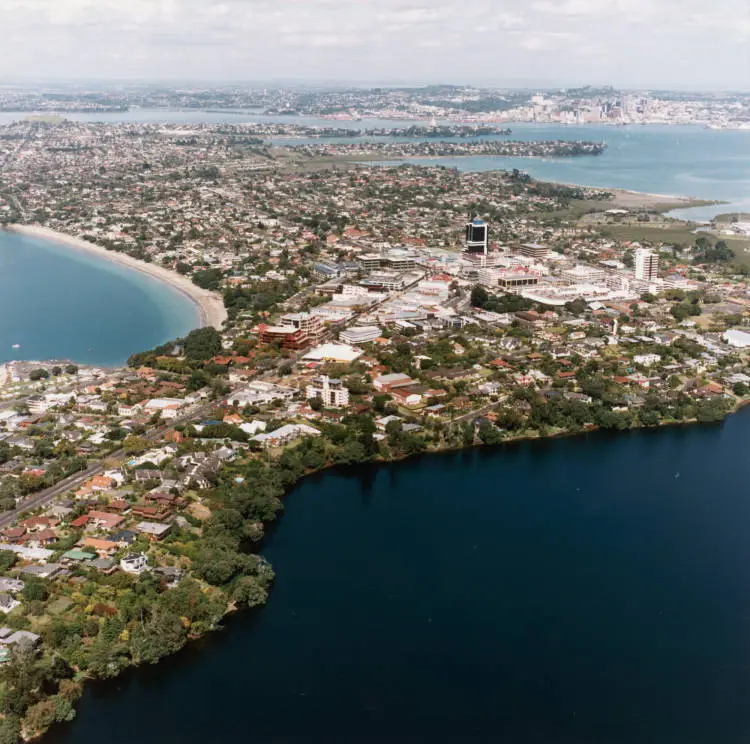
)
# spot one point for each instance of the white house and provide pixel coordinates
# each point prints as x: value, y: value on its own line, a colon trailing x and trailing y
x: 253, y: 427
x: 647, y: 360
x: 285, y: 434
x: 135, y: 563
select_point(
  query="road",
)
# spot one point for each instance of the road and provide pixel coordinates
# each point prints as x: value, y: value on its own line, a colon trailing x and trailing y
x: 41, y: 498
x: 474, y: 414
x: 36, y: 500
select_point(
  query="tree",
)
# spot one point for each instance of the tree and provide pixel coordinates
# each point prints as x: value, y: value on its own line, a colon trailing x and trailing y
x: 479, y: 296
x: 577, y: 306
x: 70, y: 690
x: 393, y: 429
x: 7, y: 503
x: 10, y: 730
x: 202, y: 344
x: 134, y: 444
x: 489, y: 434
x: 706, y: 253
x: 38, y: 374
x: 208, y: 279
x: 740, y: 389
x: 35, y: 590
x: 250, y: 591
x: 40, y: 716
x: 351, y: 453
x: 711, y: 410
x: 71, y: 369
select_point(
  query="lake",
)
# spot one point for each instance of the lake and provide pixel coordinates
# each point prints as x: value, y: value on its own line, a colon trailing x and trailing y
x: 590, y: 590
x: 58, y: 303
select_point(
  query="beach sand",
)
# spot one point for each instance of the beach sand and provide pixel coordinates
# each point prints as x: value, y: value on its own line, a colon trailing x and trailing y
x: 642, y: 200
x: 210, y: 304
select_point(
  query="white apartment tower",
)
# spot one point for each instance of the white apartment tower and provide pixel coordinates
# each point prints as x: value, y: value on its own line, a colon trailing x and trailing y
x: 646, y: 265
x: 331, y: 392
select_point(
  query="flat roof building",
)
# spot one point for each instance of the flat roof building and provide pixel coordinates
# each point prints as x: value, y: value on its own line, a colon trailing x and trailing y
x: 533, y: 250
x: 360, y: 334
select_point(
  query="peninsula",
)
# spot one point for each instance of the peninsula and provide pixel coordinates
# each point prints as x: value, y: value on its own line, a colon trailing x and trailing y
x: 367, y: 314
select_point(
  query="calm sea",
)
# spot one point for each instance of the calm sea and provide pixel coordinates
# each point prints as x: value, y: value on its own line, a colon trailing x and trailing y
x: 592, y: 590
x: 681, y: 161
x: 57, y: 303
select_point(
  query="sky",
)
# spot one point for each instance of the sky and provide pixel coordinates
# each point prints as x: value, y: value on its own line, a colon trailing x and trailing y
x: 692, y: 44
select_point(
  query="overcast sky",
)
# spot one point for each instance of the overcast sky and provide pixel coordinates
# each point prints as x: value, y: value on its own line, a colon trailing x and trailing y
x: 651, y: 43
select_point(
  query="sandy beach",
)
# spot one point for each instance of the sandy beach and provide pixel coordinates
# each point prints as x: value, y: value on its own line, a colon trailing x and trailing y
x: 210, y: 305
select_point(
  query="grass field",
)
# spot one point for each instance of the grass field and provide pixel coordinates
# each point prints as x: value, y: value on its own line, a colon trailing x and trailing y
x: 680, y: 233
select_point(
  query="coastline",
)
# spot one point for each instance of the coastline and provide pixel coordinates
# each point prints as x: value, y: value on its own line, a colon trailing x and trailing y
x: 210, y: 305
x: 625, y: 198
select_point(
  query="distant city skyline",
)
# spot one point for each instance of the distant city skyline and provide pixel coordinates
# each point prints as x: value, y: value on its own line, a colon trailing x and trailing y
x: 543, y: 43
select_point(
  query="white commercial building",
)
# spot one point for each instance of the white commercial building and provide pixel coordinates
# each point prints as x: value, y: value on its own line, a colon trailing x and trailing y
x: 284, y: 435
x: 583, y: 274
x: 333, y: 353
x: 360, y: 334
x: 738, y: 339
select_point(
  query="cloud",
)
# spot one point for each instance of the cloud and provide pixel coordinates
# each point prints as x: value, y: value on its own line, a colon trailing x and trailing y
x: 548, y: 41
x: 560, y: 41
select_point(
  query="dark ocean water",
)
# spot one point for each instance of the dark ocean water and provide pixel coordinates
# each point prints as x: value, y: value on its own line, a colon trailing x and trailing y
x: 60, y: 303
x: 591, y: 590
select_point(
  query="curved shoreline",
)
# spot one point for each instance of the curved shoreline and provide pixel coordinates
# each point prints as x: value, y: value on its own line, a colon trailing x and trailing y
x: 210, y: 305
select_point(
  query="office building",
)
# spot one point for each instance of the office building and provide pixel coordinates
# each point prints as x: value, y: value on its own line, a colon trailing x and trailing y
x: 477, y: 237
x: 533, y: 250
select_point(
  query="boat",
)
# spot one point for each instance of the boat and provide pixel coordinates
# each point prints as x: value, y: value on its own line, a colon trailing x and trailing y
x: 16, y: 346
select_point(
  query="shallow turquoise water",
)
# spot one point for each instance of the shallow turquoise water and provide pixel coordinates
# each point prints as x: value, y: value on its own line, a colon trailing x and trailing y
x: 57, y: 303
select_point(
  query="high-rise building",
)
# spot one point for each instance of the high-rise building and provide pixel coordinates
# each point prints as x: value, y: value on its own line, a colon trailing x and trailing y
x: 646, y: 265
x: 477, y: 236
x: 331, y: 392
